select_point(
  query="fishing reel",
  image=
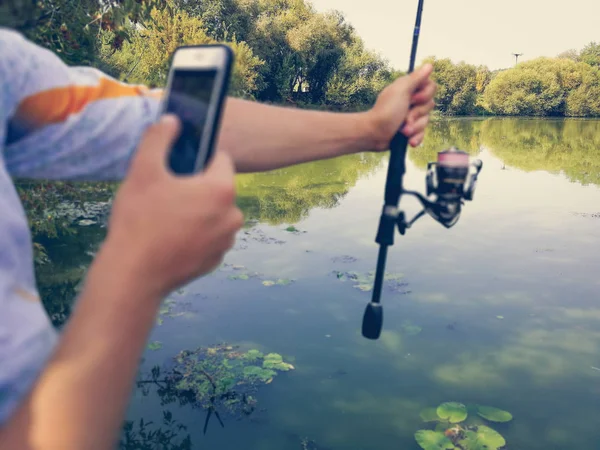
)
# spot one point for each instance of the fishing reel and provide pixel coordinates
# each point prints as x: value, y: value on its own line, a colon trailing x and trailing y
x: 447, y: 180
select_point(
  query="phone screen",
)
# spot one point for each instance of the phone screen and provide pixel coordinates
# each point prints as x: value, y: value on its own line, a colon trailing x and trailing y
x: 189, y: 99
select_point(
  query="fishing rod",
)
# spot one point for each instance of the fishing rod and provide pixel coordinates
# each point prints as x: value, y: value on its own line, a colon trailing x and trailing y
x: 447, y: 182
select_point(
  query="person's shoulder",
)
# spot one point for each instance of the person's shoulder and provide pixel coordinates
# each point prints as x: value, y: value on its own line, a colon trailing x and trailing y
x: 10, y: 37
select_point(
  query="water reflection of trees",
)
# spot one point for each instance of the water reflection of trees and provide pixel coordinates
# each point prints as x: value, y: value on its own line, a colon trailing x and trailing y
x: 287, y: 195
x: 144, y: 435
x: 569, y: 146
x: 59, y: 278
x: 463, y: 134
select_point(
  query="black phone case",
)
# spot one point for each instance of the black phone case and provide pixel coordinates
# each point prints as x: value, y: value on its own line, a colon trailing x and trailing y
x: 220, y: 101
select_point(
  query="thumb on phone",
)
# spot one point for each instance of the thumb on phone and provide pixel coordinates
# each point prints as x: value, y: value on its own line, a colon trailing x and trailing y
x: 220, y: 166
x: 157, y: 141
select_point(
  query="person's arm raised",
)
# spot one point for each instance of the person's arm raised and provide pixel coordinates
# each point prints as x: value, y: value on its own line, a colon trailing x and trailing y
x: 264, y: 137
x: 155, y: 243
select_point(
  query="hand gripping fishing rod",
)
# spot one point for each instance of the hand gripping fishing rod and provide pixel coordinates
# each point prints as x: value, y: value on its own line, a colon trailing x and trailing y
x: 452, y: 171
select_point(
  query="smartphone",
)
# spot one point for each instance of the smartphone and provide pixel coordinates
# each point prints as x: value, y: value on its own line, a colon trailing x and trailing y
x: 196, y: 90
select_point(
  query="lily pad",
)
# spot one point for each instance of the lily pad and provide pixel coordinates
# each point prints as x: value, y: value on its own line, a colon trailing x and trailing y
x: 433, y: 440
x: 364, y: 281
x: 283, y: 281
x: 453, y: 412
x: 484, y: 438
x: 156, y: 345
x: 241, y: 276
x: 259, y: 373
x: 473, y: 421
x: 430, y: 415
x: 494, y: 414
x: 221, y: 376
x: 253, y: 355
x: 275, y: 361
x: 363, y: 287
x: 268, y: 283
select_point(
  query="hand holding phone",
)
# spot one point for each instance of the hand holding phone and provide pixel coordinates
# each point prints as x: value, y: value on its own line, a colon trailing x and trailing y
x: 196, y: 90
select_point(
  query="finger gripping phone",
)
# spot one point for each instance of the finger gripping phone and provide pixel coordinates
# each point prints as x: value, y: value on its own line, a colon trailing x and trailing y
x: 196, y: 90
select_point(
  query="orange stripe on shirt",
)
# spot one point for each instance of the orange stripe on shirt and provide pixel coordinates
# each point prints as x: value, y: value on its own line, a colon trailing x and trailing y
x: 56, y: 105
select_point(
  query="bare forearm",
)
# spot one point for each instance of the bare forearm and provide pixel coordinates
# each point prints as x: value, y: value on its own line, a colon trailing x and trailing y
x: 80, y: 398
x: 264, y: 137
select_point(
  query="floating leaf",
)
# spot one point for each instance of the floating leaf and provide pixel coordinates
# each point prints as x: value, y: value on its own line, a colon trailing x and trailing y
x: 499, y: 317
x: 156, y: 345
x: 253, y: 355
x: 283, y: 281
x: 430, y: 415
x: 259, y: 373
x: 363, y: 287
x: 452, y: 411
x: 473, y: 421
x: 292, y: 229
x: 241, y: 276
x: 494, y: 414
x: 268, y: 283
x: 433, y: 440
x: 484, y: 438
x: 275, y: 361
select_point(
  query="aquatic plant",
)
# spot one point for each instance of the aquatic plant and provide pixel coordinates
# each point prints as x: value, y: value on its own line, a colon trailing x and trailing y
x: 453, y: 412
x: 241, y: 273
x: 464, y: 426
x: 155, y: 345
x: 171, y: 308
x: 430, y: 415
x: 364, y: 281
x: 494, y: 414
x: 433, y: 440
x: 219, y: 379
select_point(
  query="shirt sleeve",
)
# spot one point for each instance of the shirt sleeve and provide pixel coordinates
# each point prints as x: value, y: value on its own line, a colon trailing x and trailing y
x: 68, y: 123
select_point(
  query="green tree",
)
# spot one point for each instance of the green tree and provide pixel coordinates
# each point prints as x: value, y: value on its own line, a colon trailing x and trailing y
x: 545, y: 87
x: 146, y: 57
x: 223, y: 19
x: 591, y: 54
x: 457, y: 85
x: 358, y: 78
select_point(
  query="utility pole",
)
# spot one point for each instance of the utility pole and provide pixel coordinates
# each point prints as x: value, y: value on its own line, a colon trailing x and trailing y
x: 516, y: 55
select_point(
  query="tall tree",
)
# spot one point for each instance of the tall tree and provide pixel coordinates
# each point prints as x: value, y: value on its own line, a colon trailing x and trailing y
x: 591, y: 54
x: 147, y: 56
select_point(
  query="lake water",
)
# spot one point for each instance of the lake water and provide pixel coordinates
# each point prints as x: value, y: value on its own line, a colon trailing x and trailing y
x: 504, y: 308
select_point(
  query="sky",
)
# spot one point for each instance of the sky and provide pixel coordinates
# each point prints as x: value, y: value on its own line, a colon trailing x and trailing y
x: 483, y: 32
